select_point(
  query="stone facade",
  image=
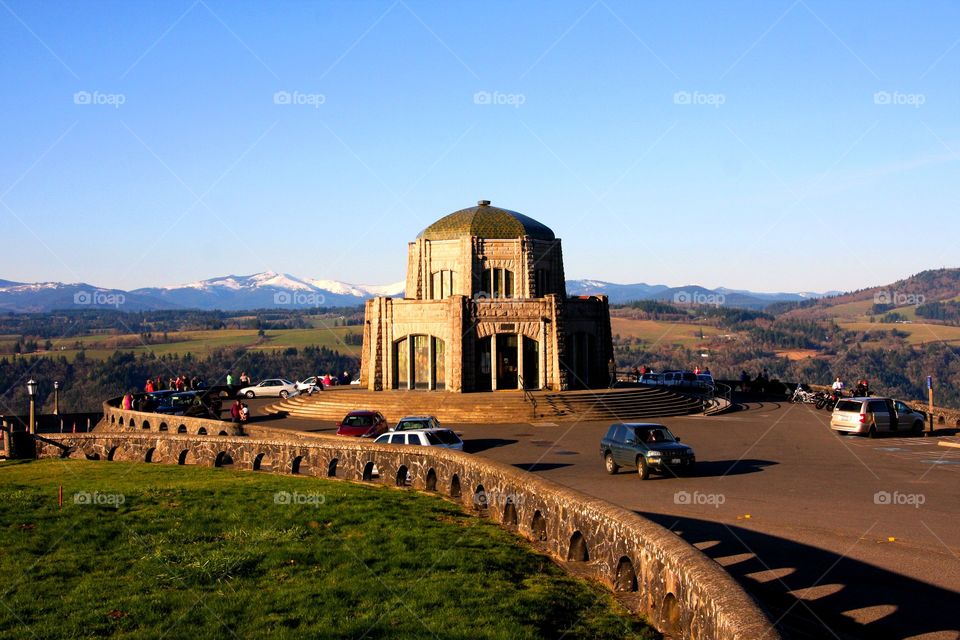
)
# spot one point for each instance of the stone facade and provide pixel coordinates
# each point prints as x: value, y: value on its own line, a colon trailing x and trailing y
x: 486, y: 309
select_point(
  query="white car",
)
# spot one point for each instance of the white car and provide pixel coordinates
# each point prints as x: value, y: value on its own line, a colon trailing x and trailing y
x: 408, y: 423
x: 424, y: 437
x: 271, y: 388
x: 310, y: 385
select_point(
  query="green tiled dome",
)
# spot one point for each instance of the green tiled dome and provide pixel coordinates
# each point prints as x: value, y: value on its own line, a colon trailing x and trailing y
x: 484, y: 221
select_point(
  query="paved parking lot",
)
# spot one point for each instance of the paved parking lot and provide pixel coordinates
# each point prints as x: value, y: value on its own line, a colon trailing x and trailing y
x: 836, y: 536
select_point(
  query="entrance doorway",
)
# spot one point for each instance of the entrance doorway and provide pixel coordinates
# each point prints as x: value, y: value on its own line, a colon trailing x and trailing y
x: 531, y: 363
x: 483, y: 365
x: 507, y: 361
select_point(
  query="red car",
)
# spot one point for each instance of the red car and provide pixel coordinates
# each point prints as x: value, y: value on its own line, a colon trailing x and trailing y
x: 365, y: 424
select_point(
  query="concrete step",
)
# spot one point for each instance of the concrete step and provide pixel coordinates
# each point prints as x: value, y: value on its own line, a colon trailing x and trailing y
x: 496, y: 407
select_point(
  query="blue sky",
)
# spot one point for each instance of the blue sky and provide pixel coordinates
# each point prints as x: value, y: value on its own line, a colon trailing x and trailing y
x: 771, y: 145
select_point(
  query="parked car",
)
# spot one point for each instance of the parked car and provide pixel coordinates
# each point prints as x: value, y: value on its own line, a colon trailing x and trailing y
x: 870, y: 416
x: 310, y: 385
x: 363, y: 424
x: 648, y: 446
x: 175, y: 403
x: 424, y: 437
x: 416, y: 422
x: 271, y: 388
x: 706, y: 380
x: 651, y: 378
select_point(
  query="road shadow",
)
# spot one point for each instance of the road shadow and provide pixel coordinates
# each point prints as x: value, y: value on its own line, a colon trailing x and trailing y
x: 713, y: 468
x: 777, y: 568
x: 482, y: 444
x: 741, y: 404
x: 541, y: 466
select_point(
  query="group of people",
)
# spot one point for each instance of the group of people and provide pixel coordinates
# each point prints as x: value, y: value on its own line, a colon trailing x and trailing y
x: 243, y: 381
x: 862, y: 389
x: 758, y: 384
x: 180, y: 383
x: 239, y: 412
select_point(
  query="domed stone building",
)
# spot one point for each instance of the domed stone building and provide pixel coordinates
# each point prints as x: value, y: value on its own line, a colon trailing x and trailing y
x: 486, y: 308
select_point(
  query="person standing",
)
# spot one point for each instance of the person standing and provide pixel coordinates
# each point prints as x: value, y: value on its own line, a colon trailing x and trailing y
x: 612, y: 369
x: 235, y: 410
x: 837, y: 386
x: 127, y: 401
x: 229, y: 379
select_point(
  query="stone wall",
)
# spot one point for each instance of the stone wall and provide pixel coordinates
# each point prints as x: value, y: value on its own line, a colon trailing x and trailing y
x: 116, y: 419
x: 678, y: 589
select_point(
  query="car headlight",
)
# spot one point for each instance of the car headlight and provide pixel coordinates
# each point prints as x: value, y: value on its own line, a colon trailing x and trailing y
x: 689, y: 452
x: 654, y: 454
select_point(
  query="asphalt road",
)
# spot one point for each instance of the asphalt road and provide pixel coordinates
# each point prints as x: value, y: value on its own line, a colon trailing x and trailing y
x: 835, y: 536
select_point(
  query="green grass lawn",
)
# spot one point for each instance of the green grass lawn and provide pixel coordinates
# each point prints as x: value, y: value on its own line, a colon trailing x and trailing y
x: 189, y: 552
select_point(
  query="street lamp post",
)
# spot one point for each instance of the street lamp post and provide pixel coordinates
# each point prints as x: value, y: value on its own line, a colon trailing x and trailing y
x: 32, y: 391
x: 56, y: 398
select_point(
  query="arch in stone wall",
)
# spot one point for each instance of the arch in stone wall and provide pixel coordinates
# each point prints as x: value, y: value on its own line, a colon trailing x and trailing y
x: 625, y: 578
x: 332, y: 468
x: 577, y: 551
x: 510, y: 513
x: 148, y: 456
x: 430, y: 484
x: 112, y: 453
x: 186, y: 457
x: 455, y: 486
x: 163, y: 427
x: 202, y: 431
x: 146, y: 425
x: 296, y: 464
x: 671, y: 615
x: 403, y: 476
x: 538, y: 525
x: 368, y: 472
x: 480, y: 502
x: 182, y: 428
x: 258, y: 462
x: 223, y: 459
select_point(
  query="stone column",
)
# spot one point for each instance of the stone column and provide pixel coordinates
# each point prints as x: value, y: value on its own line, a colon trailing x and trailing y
x: 431, y: 367
x: 411, y: 365
x: 521, y: 381
x: 543, y: 354
x: 494, y: 363
x: 7, y: 435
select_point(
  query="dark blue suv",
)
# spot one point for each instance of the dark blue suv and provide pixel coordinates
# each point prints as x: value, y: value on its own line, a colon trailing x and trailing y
x: 646, y: 446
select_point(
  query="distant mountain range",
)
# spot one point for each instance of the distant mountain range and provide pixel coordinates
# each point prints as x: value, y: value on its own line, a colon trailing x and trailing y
x: 277, y: 290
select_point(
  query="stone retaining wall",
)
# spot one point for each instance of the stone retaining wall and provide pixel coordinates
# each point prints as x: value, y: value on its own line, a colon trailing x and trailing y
x: 116, y: 419
x: 680, y: 591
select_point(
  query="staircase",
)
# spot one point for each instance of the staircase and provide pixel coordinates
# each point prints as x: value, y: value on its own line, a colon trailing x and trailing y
x: 496, y: 407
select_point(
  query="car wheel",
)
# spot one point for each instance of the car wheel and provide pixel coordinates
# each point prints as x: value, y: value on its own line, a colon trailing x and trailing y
x: 612, y: 467
x: 642, y: 469
x: 918, y: 427
x: 249, y: 395
x: 284, y: 394
x: 872, y: 433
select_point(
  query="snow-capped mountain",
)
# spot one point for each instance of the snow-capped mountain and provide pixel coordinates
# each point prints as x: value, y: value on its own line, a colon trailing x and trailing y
x: 267, y: 290
x: 361, y: 290
x: 272, y: 290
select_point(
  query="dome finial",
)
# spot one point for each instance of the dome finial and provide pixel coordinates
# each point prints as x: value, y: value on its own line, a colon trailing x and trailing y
x: 483, y: 203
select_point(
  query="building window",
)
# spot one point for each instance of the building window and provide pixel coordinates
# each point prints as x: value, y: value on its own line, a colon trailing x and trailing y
x: 441, y: 284
x: 497, y: 283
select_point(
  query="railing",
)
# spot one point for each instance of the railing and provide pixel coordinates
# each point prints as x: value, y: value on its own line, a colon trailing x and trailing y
x: 528, y: 397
